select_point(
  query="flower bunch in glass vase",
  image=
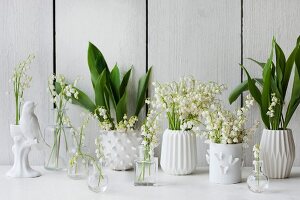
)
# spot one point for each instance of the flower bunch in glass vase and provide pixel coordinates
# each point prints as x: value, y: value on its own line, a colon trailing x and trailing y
x: 57, y: 134
x: 117, y: 125
x: 182, y: 102
x: 270, y: 93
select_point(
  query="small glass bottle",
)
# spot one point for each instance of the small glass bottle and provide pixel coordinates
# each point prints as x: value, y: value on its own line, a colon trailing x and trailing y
x: 145, y: 168
x: 257, y: 181
x: 97, y: 180
x: 57, y: 138
x: 78, y: 163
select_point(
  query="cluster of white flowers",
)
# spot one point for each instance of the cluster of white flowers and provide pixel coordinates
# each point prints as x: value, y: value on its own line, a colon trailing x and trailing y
x: 184, y: 101
x: 274, y: 102
x: 67, y: 91
x: 99, y: 149
x: 21, y: 81
x: 150, y: 130
x: 108, y: 124
x: 226, y: 127
x: 256, y: 150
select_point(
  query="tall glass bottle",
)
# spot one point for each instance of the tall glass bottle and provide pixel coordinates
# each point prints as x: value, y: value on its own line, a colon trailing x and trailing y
x: 257, y: 181
x: 57, y: 137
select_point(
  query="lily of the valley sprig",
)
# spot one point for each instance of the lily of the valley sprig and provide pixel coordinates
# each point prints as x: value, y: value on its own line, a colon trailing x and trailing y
x: 21, y: 81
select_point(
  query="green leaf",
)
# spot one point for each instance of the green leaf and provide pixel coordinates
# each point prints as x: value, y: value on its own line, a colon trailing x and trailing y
x: 287, y: 72
x: 280, y: 62
x: 254, y: 91
x: 115, y: 82
x: 100, y: 97
x: 295, y: 96
x: 142, y: 89
x: 121, y: 107
x: 124, y: 83
x: 83, y: 100
x: 96, y: 63
x: 236, y: 92
x: 261, y: 64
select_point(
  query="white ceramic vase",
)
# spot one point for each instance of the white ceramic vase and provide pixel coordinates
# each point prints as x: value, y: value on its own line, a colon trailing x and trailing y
x: 178, y: 152
x: 121, y: 148
x: 225, y: 163
x: 277, y: 150
x: 21, y: 149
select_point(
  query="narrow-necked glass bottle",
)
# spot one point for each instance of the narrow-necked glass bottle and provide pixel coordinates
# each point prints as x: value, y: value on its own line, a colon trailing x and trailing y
x: 145, y: 168
x: 257, y: 181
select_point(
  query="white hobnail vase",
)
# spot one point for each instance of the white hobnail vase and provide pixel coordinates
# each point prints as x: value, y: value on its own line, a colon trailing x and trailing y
x: 121, y: 148
x: 178, y: 152
x: 225, y: 163
x: 277, y: 150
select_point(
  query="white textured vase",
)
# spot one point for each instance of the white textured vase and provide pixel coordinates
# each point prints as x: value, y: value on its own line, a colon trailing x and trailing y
x: 178, y: 152
x: 225, y: 163
x: 277, y: 150
x: 121, y: 148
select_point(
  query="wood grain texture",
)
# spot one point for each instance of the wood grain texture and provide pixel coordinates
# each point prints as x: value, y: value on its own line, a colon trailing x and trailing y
x: 199, y: 38
x: 25, y: 27
x: 117, y: 28
x: 262, y: 21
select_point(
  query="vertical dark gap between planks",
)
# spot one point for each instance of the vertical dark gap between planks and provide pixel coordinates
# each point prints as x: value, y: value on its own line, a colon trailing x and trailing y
x: 54, y: 41
x: 147, y: 62
x: 242, y: 48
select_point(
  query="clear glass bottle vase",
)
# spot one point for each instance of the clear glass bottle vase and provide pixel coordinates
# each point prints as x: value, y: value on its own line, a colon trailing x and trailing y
x: 257, y: 181
x: 57, y: 138
x: 78, y: 163
x: 145, y: 168
x: 97, y: 179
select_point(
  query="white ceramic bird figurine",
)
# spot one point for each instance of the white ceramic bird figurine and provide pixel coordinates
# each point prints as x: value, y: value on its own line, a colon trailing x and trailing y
x: 29, y: 123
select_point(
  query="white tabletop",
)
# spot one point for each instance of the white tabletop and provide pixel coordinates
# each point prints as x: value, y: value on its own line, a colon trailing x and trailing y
x: 56, y: 186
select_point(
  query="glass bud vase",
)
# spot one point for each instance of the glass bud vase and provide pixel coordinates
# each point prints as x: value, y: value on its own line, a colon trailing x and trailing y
x: 56, y: 138
x: 97, y: 180
x: 78, y: 163
x: 257, y: 181
x: 145, y: 168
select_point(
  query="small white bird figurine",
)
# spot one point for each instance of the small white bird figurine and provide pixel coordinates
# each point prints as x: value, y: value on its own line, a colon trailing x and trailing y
x: 29, y: 123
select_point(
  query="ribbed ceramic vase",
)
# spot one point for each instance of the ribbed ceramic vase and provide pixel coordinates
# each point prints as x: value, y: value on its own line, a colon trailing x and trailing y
x: 277, y: 152
x: 178, y: 152
x: 225, y: 163
x: 121, y: 148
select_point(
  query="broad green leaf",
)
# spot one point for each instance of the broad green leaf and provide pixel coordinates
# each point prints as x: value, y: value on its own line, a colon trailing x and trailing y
x: 267, y: 77
x: 242, y: 88
x: 121, y: 107
x: 124, y: 83
x: 295, y: 96
x: 254, y: 91
x: 115, y: 81
x: 100, y: 98
x: 142, y: 89
x: 287, y: 72
x: 83, y: 100
x: 280, y: 63
x: 261, y: 64
x: 96, y: 63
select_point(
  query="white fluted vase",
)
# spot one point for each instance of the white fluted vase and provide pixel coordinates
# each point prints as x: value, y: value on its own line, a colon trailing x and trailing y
x: 178, y: 152
x: 277, y: 150
x: 225, y: 163
x: 121, y: 148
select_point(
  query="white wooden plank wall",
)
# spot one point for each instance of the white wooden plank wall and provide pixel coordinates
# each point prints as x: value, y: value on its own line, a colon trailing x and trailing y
x: 117, y: 28
x: 197, y: 37
x: 25, y: 27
